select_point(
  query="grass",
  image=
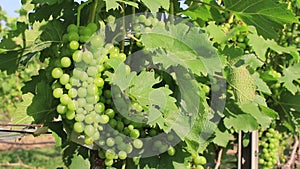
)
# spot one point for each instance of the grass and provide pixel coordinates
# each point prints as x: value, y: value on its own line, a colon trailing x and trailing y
x: 41, y: 158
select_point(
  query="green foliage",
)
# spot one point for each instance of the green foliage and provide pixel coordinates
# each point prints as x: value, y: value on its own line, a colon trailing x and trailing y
x: 170, y: 77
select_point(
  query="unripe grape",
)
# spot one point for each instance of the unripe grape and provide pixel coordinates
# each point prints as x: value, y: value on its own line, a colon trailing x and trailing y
x: 57, y: 73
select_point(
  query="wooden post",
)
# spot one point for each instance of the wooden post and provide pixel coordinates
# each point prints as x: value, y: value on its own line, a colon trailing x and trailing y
x: 248, y: 156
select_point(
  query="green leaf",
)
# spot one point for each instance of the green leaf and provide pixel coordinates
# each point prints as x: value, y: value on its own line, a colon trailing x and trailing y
x: 267, y: 16
x: 290, y: 74
x: 113, y: 4
x: 261, y: 118
x: 164, y: 161
x: 20, y: 116
x: 9, y: 61
x: 52, y: 31
x: 234, y: 118
x: 260, y: 46
x: 154, y: 5
x: 201, y: 12
x: 79, y: 162
x: 222, y: 138
x: 49, y: 2
x: 260, y: 84
x: 180, y: 48
x: 41, y: 108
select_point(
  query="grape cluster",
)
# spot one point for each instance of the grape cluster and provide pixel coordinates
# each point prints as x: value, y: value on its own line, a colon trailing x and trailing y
x: 197, y: 161
x: 269, y: 145
x: 82, y: 88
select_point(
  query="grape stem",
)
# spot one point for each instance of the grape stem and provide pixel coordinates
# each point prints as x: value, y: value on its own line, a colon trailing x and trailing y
x: 79, y: 11
x: 94, y: 11
x: 218, y: 163
x: 171, y: 10
x: 292, y: 159
x: 123, y: 27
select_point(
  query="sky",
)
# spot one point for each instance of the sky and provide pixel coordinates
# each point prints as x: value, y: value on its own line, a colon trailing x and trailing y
x: 10, y: 6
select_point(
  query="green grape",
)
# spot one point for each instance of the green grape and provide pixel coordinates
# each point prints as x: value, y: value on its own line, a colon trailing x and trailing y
x: 97, y: 41
x: 113, y: 123
x: 72, y: 28
x: 110, y: 142
x: 65, y: 62
x: 78, y: 127
x: 85, y: 31
x: 89, y: 130
x: 87, y: 57
x: 89, y: 119
x: 72, y: 93
x: 110, y: 154
x: 71, y: 105
x: 61, y: 109
x: 74, y: 45
x: 58, y: 92
x: 122, y: 155
x: 82, y: 92
x: 57, y: 73
x: 65, y: 99
x: 134, y: 133
x: 120, y: 126
x: 70, y: 114
x: 200, y: 160
x: 110, y: 113
x: 99, y: 107
x: 137, y: 143
x: 64, y: 79
x: 99, y: 82
x: 108, y: 162
x: 92, y: 26
x: 104, y: 119
x: 171, y: 151
x: 88, y: 140
x: 77, y: 56
x: 79, y: 117
x: 73, y: 36
x: 92, y: 71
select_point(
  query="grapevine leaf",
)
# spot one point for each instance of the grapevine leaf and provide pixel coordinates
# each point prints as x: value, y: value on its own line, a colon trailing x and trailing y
x: 233, y: 54
x: 41, y: 107
x: 181, y: 49
x: 222, y: 138
x: 216, y: 32
x: 9, y: 61
x: 201, y: 12
x: 251, y: 60
x: 113, y: 4
x: 154, y: 5
x: 164, y: 161
x: 266, y: 15
x: 79, y: 162
x: 260, y: 84
x: 260, y: 46
x: 49, y: 2
x: 30, y: 86
x: 20, y: 116
x: 52, y: 31
x: 290, y: 102
x: 290, y: 74
x: 234, y: 117
x: 261, y: 118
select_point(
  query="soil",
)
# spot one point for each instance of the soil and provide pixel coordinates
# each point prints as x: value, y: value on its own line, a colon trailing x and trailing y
x: 28, y: 142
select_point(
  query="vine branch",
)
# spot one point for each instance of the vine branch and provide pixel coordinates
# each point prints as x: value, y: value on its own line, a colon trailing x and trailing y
x: 292, y: 159
x: 218, y: 163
